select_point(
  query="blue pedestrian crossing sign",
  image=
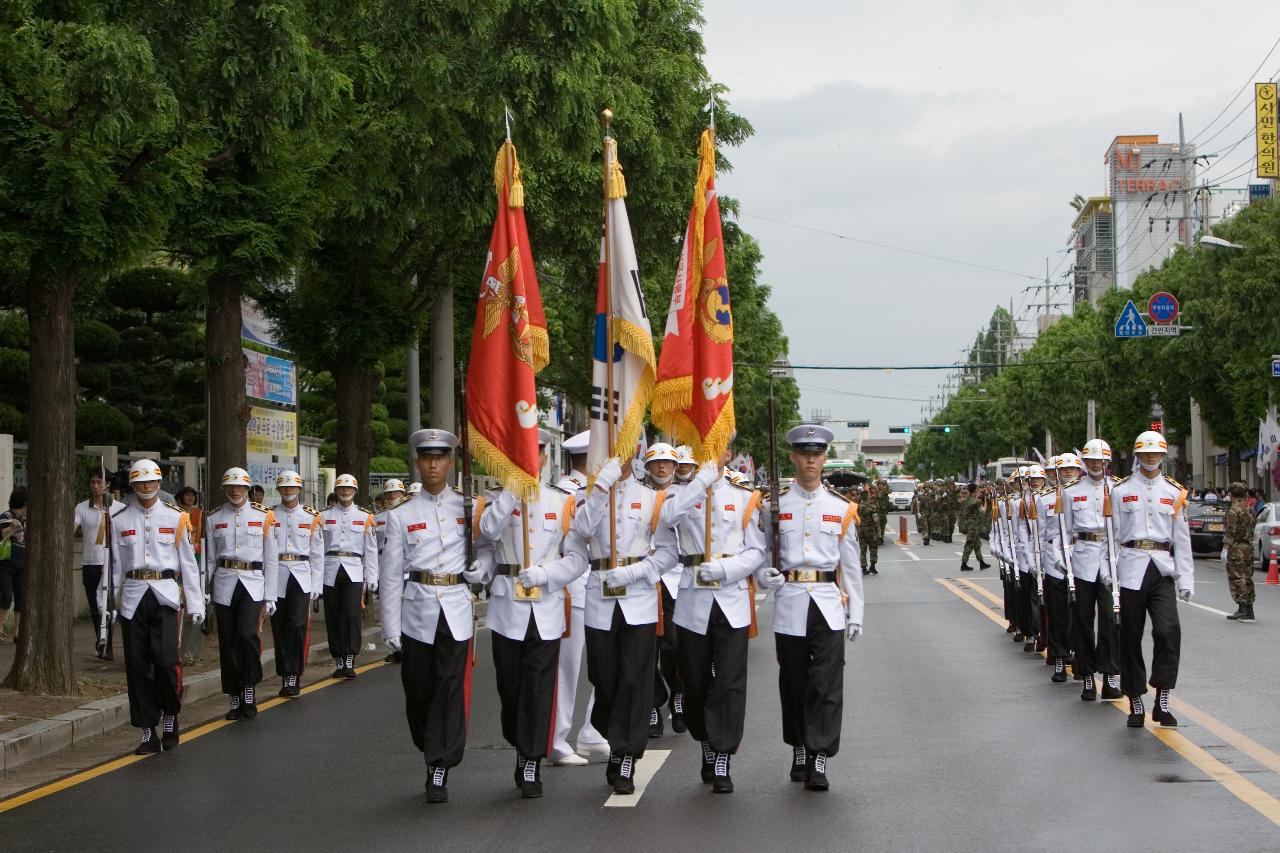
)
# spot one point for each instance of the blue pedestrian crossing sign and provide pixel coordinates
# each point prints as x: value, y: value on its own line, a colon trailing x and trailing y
x: 1131, y: 324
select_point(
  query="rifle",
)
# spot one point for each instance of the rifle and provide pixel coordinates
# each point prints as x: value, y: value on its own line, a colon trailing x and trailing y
x: 204, y: 566
x: 1108, y: 522
x: 468, y: 544
x: 1033, y: 528
x: 109, y: 605
x: 1010, y: 541
x: 1066, y: 547
x: 775, y: 492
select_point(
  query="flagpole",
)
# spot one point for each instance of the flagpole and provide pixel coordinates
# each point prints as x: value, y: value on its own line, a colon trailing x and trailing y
x: 511, y: 172
x: 610, y: 416
x: 706, y: 549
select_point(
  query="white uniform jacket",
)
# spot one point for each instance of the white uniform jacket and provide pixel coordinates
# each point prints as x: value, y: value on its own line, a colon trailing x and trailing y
x: 1023, y: 547
x: 575, y: 483
x: 89, y: 519
x: 241, y: 536
x: 349, y: 530
x: 818, y: 531
x: 425, y: 534
x: 640, y: 539
x: 501, y: 526
x: 999, y: 546
x: 299, y: 547
x: 1082, y: 508
x: 737, y: 544
x: 1152, y: 509
x: 156, y: 539
x: 1050, y: 555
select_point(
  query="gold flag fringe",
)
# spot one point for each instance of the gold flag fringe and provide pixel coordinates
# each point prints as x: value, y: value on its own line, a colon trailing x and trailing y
x: 617, y: 184
x: 512, y: 477
x: 541, y: 347
x: 506, y: 171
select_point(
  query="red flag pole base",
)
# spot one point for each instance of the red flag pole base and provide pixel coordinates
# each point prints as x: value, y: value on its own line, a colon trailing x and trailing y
x: 902, y: 530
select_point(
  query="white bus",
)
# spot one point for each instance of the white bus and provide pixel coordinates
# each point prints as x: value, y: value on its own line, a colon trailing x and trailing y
x: 1005, y: 467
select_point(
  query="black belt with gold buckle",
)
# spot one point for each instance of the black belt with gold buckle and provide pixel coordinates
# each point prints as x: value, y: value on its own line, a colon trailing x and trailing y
x: 602, y: 565
x: 1091, y: 536
x: 434, y: 578
x: 292, y: 558
x: 342, y: 554
x: 239, y: 565
x: 810, y: 576
x: 1149, y: 545
x: 150, y: 574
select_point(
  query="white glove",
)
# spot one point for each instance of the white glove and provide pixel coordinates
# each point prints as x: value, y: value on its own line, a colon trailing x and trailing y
x: 271, y: 608
x: 393, y: 644
x: 314, y: 594
x: 533, y: 576
x: 372, y: 586
x: 115, y: 615
x: 505, y: 504
x: 609, y: 474
x: 197, y: 618
x: 207, y: 599
x: 711, y: 572
x: 707, y: 475
x: 1184, y: 594
x: 1105, y: 579
x: 475, y: 574
x: 852, y: 632
x: 619, y: 577
x: 770, y: 578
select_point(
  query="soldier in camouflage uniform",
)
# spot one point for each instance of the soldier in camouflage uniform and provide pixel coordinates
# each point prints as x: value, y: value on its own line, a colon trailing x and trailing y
x: 870, y: 529
x: 917, y: 509
x: 1238, y: 538
x: 883, y: 505
x: 971, y: 512
x: 952, y: 507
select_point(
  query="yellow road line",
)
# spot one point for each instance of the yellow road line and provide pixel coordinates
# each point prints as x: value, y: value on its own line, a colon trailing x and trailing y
x: 111, y: 766
x: 1241, y: 788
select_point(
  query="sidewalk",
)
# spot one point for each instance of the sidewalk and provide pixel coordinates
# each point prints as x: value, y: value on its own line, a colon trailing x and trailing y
x: 35, y: 726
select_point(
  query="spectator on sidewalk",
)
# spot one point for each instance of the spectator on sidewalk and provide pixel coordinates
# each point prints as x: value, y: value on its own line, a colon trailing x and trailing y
x: 13, y: 530
x: 91, y: 521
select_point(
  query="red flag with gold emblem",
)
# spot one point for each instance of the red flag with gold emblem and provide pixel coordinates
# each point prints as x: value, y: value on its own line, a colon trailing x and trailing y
x: 509, y: 344
x: 693, y: 400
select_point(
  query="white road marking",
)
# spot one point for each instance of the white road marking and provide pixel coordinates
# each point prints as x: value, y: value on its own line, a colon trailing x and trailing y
x: 910, y: 554
x: 645, y: 769
x: 1204, y: 607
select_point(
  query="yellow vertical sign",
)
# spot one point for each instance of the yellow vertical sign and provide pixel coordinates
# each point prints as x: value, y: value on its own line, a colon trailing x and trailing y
x: 1268, y: 151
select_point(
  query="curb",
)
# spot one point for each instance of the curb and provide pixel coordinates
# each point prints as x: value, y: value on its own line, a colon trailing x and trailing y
x: 45, y: 737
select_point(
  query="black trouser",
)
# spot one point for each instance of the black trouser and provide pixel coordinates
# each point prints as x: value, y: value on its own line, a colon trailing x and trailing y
x: 526, y: 672
x: 239, y: 646
x: 437, y: 688
x: 1093, y: 606
x: 715, y: 707
x: 1159, y: 597
x: 620, y: 666
x: 1056, y: 599
x: 1010, y: 602
x: 811, y: 684
x: 290, y: 628
x: 91, y: 576
x: 151, y: 664
x: 342, y: 615
x: 666, y: 670
x: 1027, y: 604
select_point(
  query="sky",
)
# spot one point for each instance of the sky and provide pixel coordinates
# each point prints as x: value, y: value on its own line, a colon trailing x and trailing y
x: 960, y: 129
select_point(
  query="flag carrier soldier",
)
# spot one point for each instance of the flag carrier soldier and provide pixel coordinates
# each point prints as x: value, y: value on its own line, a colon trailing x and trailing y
x: 153, y: 566
x: 300, y: 552
x: 818, y: 602
x: 243, y: 556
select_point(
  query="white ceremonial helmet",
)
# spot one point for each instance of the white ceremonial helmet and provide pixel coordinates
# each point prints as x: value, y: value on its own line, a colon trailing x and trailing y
x: 1096, y: 448
x: 288, y: 479
x: 1069, y: 460
x: 660, y: 452
x: 1150, y: 442
x: 144, y: 471
x: 1034, y: 472
x: 414, y: 488
x: 346, y: 480
x: 237, y: 477
x: 393, y: 485
x: 684, y: 455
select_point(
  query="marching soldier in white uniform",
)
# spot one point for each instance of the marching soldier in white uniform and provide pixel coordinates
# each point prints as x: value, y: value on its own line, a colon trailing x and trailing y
x: 393, y: 492
x: 242, y: 555
x: 715, y: 610
x: 1155, y: 570
x: 1001, y: 548
x: 571, y: 647
x: 300, y: 552
x: 1094, y: 629
x: 527, y: 614
x: 429, y: 618
x: 151, y: 555
x: 623, y: 610
x: 818, y: 603
x: 1056, y: 596
x: 350, y: 567
x: 660, y: 462
x: 1030, y: 481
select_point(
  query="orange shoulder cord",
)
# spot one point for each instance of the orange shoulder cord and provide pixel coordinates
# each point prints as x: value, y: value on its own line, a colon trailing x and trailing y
x: 570, y: 506
x: 752, y: 504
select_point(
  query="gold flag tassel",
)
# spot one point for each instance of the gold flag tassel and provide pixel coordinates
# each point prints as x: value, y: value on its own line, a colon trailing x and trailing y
x: 617, y: 183
x: 506, y: 173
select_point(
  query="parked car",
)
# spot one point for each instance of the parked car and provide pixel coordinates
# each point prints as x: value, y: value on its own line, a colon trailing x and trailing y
x: 901, y: 492
x: 1266, y: 533
x: 1207, y: 522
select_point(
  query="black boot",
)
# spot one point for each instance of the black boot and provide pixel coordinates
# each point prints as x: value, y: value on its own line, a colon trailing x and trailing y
x: 965, y: 567
x: 1076, y: 674
x: 169, y: 729
x: 150, y: 743
x: 531, y: 779
x: 1088, y: 694
x: 873, y: 568
x: 1111, y: 687
x: 678, y: 724
x: 1059, y: 672
x: 1248, y: 615
x: 349, y: 671
x: 625, y: 783
x: 1160, y: 712
x: 1244, y: 613
x: 437, y: 779
x: 340, y: 667
x: 248, y: 707
x: 1137, y: 714
x: 708, y: 762
x: 1011, y: 629
x: 612, y: 769
x: 236, y: 712
x: 983, y: 566
x: 817, y: 779
x: 1017, y: 636
x: 866, y: 571
x: 926, y: 540
x: 799, y: 764
x: 1030, y: 644
x: 655, y: 723
x: 721, y: 783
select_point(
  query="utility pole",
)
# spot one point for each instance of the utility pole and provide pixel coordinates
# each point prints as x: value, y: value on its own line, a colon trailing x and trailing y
x: 1186, y: 189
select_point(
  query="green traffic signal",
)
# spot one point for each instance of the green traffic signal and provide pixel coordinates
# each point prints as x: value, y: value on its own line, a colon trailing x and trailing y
x: 946, y: 429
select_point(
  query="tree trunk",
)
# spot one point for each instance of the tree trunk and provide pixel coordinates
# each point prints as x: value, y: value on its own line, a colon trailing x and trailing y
x: 224, y: 366
x: 1233, y: 466
x: 355, y: 385
x: 43, y: 660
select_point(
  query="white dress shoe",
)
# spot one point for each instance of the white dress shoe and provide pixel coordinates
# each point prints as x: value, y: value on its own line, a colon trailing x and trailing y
x: 595, y: 753
x: 571, y: 760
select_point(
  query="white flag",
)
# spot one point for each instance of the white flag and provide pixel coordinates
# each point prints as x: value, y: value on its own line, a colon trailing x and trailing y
x: 619, y: 298
x: 1268, y: 442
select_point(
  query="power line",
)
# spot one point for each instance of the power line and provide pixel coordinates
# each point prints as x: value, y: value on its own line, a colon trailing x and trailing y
x: 839, y: 236
x: 952, y: 366
x: 1241, y: 90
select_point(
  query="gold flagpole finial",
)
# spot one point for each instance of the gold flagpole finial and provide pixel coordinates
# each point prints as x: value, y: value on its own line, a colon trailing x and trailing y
x: 607, y: 115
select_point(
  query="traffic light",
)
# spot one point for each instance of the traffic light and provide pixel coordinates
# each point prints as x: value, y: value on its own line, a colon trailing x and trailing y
x: 1157, y: 426
x: 904, y: 430
x: 946, y: 429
